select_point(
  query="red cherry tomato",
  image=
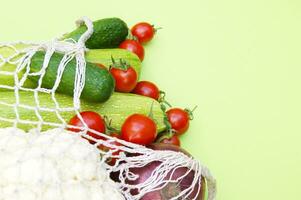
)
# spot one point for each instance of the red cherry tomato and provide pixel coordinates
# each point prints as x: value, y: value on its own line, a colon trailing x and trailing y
x: 115, y: 135
x: 178, y: 119
x: 112, y: 161
x: 148, y: 89
x: 173, y: 140
x: 133, y: 46
x: 125, y: 80
x: 93, y: 120
x: 139, y: 129
x: 143, y: 31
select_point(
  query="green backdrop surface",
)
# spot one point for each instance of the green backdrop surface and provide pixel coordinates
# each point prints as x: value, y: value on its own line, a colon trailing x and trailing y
x: 239, y: 61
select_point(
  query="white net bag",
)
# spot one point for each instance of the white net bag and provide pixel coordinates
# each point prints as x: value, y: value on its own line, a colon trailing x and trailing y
x: 128, y: 155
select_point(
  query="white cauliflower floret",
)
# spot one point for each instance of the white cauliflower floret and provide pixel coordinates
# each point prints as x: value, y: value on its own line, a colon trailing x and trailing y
x: 54, y: 165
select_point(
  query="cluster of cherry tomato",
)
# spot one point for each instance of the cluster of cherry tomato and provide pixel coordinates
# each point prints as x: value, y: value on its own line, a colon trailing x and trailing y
x: 141, y: 33
x: 124, y: 74
x: 137, y: 128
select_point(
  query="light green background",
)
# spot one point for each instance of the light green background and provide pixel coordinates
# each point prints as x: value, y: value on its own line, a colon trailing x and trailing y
x: 239, y: 61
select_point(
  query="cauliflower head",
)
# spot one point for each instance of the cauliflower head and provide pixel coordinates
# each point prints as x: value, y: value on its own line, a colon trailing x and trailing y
x: 53, y: 165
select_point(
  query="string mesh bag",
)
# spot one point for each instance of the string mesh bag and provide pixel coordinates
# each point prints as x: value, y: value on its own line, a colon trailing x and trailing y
x: 15, y: 64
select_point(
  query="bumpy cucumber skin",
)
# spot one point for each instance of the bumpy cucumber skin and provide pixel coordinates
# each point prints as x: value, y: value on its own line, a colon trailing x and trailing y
x: 99, y: 83
x: 108, y: 33
x: 117, y: 108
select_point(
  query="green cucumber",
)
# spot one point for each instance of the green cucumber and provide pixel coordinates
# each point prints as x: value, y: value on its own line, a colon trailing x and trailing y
x: 108, y: 33
x: 117, y: 108
x: 102, y: 56
x: 99, y: 83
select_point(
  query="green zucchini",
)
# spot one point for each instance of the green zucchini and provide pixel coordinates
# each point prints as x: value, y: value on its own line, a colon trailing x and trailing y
x: 117, y: 108
x: 104, y: 56
x: 108, y: 33
x: 11, y: 52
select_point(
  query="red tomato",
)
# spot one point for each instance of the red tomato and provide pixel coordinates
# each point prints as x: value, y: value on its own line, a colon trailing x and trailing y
x: 173, y: 140
x: 133, y: 46
x: 148, y: 89
x: 93, y: 120
x: 125, y: 80
x: 143, y: 31
x: 115, y: 135
x: 139, y: 129
x: 178, y: 119
x: 112, y: 161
